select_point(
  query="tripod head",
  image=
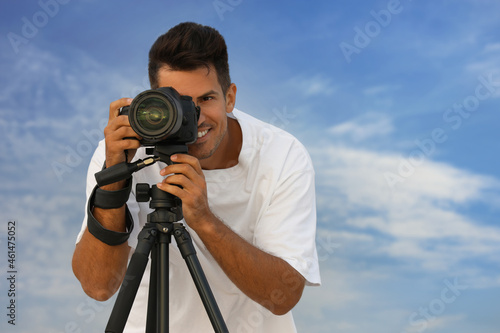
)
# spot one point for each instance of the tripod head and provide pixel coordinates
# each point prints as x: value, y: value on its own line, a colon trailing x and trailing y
x: 168, y: 207
x: 161, y: 152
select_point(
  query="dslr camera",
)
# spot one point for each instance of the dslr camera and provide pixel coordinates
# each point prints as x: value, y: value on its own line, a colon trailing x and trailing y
x: 163, y: 116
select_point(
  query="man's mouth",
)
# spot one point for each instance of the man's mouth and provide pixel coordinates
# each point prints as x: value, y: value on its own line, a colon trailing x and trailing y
x: 202, y: 133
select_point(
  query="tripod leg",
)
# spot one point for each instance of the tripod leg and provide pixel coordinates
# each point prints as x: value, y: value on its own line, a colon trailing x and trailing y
x: 157, y: 320
x: 163, y: 298
x: 185, y: 244
x: 132, y: 280
x: 152, y: 299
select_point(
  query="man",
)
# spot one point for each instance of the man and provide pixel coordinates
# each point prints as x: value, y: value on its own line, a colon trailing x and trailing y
x: 248, y: 201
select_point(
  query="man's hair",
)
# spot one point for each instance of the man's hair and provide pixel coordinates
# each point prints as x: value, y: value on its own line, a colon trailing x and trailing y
x: 189, y: 46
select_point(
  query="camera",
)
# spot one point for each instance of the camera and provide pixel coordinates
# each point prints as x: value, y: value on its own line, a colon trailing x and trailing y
x: 163, y: 116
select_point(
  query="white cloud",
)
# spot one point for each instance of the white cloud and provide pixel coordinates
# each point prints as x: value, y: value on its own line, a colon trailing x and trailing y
x: 47, y: 107
x: 363, y: 127
x: 53, y: 111
x: 379, y: 89
x: 422, y: 219
x: 338, y: 291
x: 441, y: 322
x: 311, y: 86
x: 492, y: 47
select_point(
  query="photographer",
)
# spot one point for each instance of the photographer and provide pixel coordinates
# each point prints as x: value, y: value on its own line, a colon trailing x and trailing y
x: 248, y: 200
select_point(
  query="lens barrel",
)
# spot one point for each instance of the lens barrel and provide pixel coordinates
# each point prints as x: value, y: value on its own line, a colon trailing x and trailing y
x: 156, y: 114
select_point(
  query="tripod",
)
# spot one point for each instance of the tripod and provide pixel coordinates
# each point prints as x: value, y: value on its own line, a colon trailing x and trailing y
x: 154, y: 239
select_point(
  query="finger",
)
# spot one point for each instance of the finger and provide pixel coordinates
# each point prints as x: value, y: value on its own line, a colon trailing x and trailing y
x: 179, y: 180
x: 182, y: 187
x: 116, y: 147
x: 114, y: 107
x: 119, y: 128
x: 172, y: 189
x: 119, y: 136
x: 124, y: 131
x: 187, y: 159
x: 128, y: 144
x: 186, y: 170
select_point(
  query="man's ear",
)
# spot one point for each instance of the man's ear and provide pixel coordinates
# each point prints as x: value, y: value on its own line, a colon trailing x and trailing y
x: 230, y: 98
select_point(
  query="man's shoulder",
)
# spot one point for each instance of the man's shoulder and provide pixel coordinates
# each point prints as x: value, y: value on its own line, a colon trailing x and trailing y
x: 260, y: 129
x: 271, y: 143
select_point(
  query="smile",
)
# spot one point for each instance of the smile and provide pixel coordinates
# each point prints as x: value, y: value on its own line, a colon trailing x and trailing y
x: 202, y: 133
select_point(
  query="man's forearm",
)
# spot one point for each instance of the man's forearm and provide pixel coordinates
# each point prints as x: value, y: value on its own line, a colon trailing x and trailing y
x: 99, y: 267
x: 268, y: 280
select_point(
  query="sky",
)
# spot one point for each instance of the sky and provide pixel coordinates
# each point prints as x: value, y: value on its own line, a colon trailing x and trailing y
x: 396, y: 101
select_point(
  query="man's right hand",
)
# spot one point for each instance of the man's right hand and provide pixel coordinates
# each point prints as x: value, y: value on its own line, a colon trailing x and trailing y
x: 118, y: 135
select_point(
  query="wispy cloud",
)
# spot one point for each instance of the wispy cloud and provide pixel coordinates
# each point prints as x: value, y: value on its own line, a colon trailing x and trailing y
x: 379, y: 89
x: 312, y: 86
x: 420, y: 219
x: 436, y: 323
x: 364, y: 127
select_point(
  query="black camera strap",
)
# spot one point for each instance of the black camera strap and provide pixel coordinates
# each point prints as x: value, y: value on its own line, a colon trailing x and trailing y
x: 108, y: 200
x: 112, y: 199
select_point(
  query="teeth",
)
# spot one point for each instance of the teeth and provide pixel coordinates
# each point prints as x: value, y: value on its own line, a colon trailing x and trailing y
x: 200, y: 134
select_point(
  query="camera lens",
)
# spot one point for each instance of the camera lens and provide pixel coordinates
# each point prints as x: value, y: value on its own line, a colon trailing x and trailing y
x: 158, y: 115
x: 154, y: 115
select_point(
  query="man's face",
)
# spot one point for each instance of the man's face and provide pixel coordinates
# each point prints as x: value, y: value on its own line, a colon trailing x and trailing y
x: 203, y: 87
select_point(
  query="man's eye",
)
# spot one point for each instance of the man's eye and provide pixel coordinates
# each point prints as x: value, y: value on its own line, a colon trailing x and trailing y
x: 207, y: 98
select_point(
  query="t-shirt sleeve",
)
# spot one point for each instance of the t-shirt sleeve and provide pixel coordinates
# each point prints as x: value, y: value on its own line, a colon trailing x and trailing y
x: 96, y: 164
x: 287, y: 229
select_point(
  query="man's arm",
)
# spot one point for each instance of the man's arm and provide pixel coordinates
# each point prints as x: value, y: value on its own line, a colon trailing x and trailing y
x: 99, y: 267
x: 268, y: 280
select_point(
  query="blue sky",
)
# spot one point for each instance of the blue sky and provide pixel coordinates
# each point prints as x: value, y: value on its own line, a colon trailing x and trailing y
x: 397, y: 102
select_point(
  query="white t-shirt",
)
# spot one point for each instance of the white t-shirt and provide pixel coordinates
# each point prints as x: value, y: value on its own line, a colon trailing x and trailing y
x: 268, y: 198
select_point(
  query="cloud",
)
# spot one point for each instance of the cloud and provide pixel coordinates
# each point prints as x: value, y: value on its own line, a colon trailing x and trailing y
x: 381, y: 248
x: 51, y: 107
x: 312, y: 86
x: 364, y: 127
x: 379, y: 89
x: 492, y: 47
x: 53, y: 113
x: 441, y: 322
x: 427, y: 219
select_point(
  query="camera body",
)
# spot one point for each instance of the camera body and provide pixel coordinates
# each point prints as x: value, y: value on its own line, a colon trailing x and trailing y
x: 163, y: 116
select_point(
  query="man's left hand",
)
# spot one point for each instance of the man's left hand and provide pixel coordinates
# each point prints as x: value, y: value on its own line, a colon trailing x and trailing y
x: 186, y: 172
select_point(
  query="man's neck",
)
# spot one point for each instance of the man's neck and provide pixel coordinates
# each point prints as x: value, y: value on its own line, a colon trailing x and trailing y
x: 228, y: 152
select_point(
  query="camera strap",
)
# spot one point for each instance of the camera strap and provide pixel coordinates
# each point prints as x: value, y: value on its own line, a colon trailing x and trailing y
x: 107, y: 200
x: 112, y: 199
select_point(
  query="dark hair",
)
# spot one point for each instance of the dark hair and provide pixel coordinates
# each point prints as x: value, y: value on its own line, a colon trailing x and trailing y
x: 189, y: 46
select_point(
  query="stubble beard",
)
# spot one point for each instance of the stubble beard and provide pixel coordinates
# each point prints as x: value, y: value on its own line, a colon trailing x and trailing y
x: 199, y: 151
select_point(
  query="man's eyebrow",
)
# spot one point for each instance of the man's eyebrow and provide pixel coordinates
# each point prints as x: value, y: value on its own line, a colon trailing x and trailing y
x: 208, y: 93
